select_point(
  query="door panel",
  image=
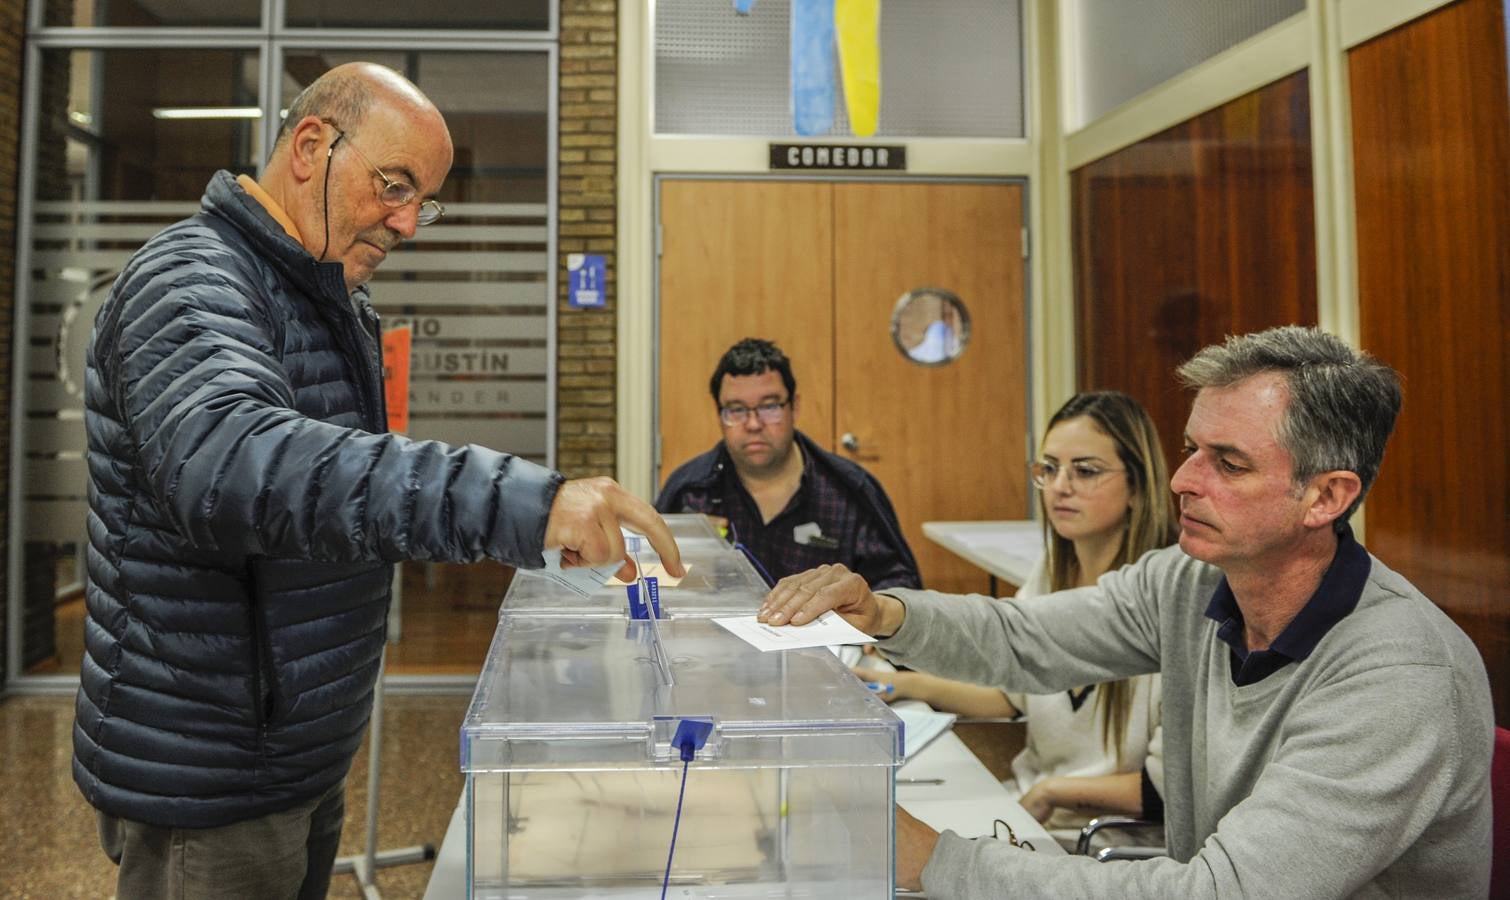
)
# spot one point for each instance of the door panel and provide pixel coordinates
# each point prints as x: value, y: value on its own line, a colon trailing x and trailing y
x: 818, y: 268
x: 947, y: 442
x: 1200, y: 231
x: 742, y: 259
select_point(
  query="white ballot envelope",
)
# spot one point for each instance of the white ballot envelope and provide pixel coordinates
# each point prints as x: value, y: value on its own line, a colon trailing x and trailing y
x: 829, y: 628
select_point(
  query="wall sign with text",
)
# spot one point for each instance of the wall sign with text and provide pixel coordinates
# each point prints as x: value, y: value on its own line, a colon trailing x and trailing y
x: 839, y: 157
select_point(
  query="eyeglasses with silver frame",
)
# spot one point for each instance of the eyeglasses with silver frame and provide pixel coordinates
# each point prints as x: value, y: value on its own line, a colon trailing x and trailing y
x: 395, y: 194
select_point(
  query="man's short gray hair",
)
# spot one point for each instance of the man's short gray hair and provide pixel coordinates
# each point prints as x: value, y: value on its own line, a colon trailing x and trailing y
x: 1343, y: 402
x: 337, y: 96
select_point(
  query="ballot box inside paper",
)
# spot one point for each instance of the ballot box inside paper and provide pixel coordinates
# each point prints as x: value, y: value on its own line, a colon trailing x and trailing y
x: 573, y: 781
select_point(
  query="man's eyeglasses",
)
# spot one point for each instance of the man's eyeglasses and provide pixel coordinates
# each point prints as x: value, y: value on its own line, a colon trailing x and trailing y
x: 996, y: 828
x: 1082, y: 475
x: 769, y: 413
x: 395, y: 194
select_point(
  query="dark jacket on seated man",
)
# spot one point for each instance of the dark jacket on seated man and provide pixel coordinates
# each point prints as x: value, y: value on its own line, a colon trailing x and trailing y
x: 856, y: 524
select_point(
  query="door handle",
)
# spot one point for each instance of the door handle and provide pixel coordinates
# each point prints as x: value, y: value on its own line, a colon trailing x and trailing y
x: 850, y: 442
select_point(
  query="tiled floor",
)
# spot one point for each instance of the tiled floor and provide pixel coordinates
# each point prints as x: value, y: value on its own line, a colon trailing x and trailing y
x: 50, y: 851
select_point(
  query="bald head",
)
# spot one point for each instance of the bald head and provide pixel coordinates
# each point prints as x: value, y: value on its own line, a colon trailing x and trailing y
x: 357, y: 131
x: 346, y: 94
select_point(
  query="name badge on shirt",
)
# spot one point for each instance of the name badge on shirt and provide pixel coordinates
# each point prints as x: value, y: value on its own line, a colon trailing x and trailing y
x: 810, y: 535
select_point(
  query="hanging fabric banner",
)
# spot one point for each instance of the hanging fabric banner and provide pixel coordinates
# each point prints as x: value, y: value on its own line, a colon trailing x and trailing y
x: 812, y: 66
x: 858, y: 23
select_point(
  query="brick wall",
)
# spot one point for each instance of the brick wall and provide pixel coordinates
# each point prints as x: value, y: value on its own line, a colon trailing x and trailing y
x: 585, y: 338
x: 12, y: 19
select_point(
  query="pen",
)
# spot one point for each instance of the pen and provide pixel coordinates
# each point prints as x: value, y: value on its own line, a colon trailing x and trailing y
x: 920, y: 781
x: 880, y: 688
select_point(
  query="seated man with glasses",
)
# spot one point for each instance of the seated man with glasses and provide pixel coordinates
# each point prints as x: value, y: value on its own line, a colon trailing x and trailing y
x: 246, y: 504
x: 789, y: 502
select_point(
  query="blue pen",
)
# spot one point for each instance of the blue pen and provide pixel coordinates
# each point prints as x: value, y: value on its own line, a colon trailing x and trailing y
x: 880, y: 688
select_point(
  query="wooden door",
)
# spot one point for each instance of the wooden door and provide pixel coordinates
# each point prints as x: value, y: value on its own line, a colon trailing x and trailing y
x: 948, y: 442
x: 818, y: 267
x: 742, y: 259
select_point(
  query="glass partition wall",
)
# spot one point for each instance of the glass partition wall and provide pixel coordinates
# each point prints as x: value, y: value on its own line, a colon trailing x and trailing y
x: 130, y: 108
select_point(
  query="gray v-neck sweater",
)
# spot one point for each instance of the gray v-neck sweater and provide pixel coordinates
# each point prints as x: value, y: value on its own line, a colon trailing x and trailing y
x: 1360, y: 771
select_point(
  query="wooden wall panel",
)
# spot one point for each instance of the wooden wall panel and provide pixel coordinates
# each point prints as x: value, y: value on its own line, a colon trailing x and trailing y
x: 742, y: 259
x: 1197, y: 232
x: 1431, y: 151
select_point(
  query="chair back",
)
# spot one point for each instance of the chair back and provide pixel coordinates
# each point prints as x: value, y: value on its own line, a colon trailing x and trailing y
x: 1499, y: 788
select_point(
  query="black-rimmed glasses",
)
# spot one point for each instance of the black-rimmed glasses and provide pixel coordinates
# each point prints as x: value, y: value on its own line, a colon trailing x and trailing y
x: 996, y: 828
x: 395, y: 194
x: 769, y: 413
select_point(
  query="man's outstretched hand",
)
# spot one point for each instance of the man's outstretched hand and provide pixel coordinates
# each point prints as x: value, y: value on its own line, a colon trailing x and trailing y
x: 801, y: 598
x: 585, y: 519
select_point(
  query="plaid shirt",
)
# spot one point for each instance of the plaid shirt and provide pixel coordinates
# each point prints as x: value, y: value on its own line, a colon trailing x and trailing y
x: 848, y: 531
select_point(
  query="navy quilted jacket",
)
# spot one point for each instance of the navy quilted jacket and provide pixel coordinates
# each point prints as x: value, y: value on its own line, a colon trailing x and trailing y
x: 245, y: 509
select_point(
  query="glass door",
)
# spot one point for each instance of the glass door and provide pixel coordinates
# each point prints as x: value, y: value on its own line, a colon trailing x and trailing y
x: 126, y: 124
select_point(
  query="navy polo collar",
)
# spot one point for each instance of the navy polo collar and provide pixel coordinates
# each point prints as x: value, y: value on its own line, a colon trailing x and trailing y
x: 1337, y: 595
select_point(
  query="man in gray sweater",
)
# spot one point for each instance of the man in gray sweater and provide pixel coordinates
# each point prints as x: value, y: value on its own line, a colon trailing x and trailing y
x: 1328, y: 730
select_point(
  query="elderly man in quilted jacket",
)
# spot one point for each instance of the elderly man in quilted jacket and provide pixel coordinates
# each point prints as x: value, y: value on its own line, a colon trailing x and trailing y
x: 247, y: 504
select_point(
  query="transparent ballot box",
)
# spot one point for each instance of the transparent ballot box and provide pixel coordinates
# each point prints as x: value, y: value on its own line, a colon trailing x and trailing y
x: 574, y: 748
x: 719, y: 581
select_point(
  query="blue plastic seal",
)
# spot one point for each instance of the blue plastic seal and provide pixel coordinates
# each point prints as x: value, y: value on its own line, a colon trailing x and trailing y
x: 692, y: 733
x: 637, y: 606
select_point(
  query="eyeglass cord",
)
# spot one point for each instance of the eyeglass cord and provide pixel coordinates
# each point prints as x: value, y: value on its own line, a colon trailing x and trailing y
x: 325, y: 194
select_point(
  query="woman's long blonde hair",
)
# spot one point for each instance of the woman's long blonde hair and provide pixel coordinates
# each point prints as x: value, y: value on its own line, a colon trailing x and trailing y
x: 1149, y: 524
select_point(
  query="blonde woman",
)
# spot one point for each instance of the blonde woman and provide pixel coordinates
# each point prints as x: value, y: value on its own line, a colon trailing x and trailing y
x: 1092, y: 750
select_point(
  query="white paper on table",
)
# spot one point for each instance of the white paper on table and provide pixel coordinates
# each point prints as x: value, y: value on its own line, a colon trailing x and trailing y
x: 829, y: 628
x: 920, y: 725
x: 583, y: 581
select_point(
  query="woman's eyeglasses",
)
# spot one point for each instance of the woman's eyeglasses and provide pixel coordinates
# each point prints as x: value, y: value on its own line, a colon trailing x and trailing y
x: 1082, y: 475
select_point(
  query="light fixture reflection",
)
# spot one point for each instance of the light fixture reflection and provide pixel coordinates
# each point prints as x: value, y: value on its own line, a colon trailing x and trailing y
x: 207, y: 112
